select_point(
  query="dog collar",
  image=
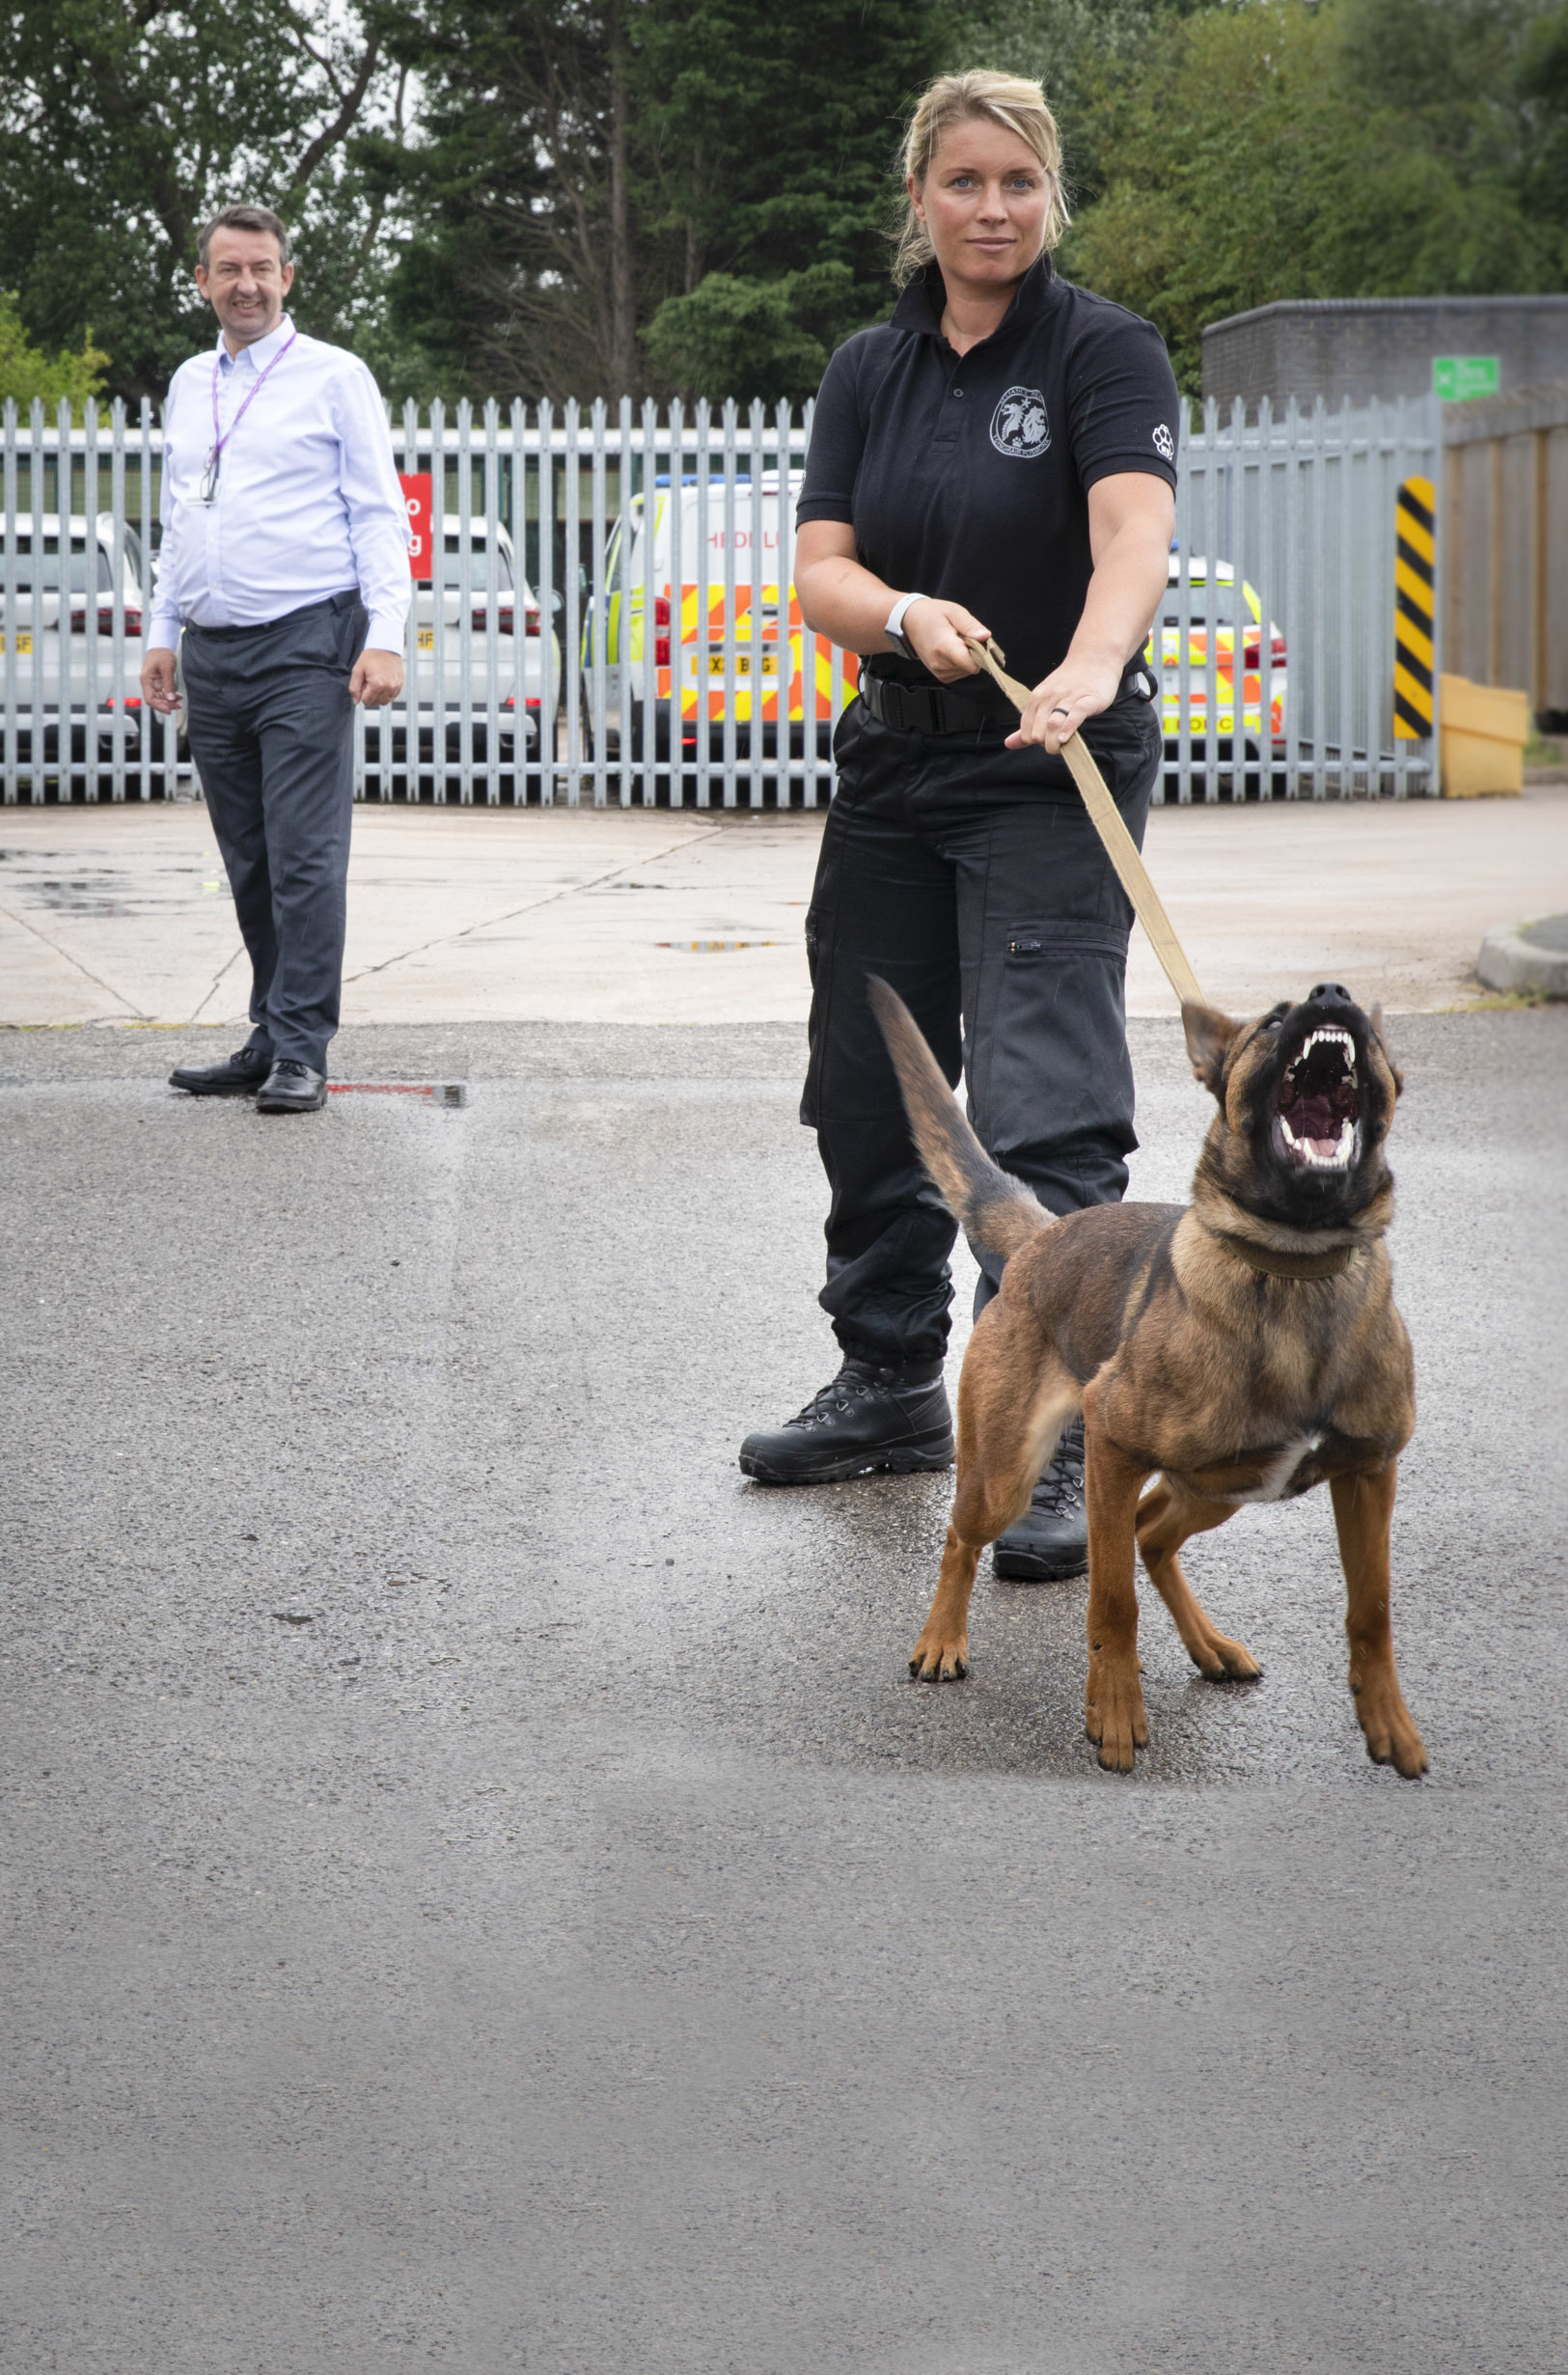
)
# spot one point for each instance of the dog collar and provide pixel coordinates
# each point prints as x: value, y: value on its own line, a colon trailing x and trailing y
x: 1331, y: 1263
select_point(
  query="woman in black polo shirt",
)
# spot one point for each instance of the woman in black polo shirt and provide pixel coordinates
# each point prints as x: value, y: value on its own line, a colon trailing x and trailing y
x: 997, y: 459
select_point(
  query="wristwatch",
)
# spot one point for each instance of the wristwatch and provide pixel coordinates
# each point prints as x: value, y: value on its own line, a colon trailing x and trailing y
x: 895, y: 628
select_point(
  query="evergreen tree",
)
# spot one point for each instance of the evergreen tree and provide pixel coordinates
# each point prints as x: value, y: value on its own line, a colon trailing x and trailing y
x: 589, y: 161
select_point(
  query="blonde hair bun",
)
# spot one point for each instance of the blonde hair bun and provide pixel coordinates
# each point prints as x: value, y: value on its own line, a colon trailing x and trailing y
x: 1011, y: 101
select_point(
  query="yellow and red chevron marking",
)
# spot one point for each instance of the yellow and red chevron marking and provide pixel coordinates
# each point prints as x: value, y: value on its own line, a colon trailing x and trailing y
x: 1414, y: 600
x: 729, y: 663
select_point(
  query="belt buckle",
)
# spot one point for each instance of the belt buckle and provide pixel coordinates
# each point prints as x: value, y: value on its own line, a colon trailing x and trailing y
x: 895, y: 705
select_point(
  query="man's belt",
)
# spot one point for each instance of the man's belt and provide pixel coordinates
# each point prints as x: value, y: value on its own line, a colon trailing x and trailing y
x: 940, y: 710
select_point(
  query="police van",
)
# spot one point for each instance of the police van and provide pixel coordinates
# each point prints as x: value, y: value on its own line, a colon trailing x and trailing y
x: 694, y: 624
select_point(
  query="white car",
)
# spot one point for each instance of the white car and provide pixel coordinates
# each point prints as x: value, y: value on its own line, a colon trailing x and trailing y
x: 457, y: 626
x: 70, y: 635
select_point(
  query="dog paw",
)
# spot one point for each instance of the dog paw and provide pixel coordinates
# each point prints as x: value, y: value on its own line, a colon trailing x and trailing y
x: 936, y: 1660
x: 1391, y: 1736
x: 1114, y: 1717
x: 1219, y: 1659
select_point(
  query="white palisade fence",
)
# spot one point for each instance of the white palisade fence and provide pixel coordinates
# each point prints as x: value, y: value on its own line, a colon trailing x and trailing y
x: 654, y: 652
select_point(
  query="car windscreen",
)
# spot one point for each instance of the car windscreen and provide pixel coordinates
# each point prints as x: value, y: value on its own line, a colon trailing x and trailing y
x: 466, y: 567
x: 39, y: 573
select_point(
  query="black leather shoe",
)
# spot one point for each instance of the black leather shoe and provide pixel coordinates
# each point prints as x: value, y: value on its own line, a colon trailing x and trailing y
x: 1050, y: 1541
x: 292, y: 1088
x: 240, y: 1075
x: 868, y: 1421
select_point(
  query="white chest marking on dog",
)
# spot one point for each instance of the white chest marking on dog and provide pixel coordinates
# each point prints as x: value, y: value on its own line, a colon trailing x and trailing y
x: 1270, y: 1486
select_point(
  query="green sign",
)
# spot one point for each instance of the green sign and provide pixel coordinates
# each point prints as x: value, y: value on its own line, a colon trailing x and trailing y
x: 1457, y: 377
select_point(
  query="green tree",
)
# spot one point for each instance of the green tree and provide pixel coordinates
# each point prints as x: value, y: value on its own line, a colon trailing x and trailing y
x: 129, y: 121
x: 591, y: 162
x: 1357, y: 148
x: 776, y: 136
x: 1543, y: 92
x: 1067, y: 47
x: 528, y: 260
x: 27, y: 373
x: 735, y: 335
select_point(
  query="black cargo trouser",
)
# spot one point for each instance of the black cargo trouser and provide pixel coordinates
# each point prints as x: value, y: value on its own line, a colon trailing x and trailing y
x: 272, y: 734
x: 971, y: 878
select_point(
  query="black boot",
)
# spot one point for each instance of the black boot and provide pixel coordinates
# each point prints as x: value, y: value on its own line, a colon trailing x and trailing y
x: 871, y: 1420
x: 1050, y: 1541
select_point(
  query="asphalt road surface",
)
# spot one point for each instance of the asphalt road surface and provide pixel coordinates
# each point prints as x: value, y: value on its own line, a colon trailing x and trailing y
x: 484, y: 1893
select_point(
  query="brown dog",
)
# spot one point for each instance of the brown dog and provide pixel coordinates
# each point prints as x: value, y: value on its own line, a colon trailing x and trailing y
x: 1243, y: 1347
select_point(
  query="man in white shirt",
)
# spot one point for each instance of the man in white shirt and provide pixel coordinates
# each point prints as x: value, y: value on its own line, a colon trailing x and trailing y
x: 282, y: 575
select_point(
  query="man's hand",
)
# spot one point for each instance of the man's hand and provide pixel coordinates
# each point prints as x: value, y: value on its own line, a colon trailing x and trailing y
x: 378, y: 679
x: 1057, y: 708
x: 160, y: 687
x: 936, y: 629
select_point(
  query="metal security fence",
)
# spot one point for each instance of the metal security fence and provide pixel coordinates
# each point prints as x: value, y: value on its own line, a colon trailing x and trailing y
x: 1298, y: 511
x: 610, y: 615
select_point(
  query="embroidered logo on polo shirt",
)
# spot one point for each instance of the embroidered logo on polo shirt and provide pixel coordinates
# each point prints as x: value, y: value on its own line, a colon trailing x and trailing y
x: 1164, y: 445
x: 1019, y: 425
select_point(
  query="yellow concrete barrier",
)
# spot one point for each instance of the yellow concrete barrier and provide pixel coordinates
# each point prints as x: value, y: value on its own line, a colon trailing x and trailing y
x: 1482, y: 732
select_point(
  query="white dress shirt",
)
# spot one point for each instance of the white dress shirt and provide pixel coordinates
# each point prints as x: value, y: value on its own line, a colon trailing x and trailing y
x: 308, y: 502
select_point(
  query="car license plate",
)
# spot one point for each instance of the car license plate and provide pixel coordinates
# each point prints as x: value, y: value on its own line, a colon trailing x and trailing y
x: 741, y: 663
x: 20, y: 642
x: 427, y: 639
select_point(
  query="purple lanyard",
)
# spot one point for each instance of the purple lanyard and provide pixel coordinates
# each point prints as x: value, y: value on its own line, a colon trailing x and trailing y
x: 221, y: 438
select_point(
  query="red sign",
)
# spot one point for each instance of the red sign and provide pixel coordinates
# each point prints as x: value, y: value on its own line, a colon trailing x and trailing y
x: 416, y: 487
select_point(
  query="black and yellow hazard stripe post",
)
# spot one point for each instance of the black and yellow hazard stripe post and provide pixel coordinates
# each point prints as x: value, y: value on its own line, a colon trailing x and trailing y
x: 1415, y: 576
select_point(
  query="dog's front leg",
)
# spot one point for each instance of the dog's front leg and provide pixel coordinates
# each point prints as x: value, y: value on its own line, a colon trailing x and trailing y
x: 1364, y: 1517
x: 942, y: 1652
x: 1114, y: 1715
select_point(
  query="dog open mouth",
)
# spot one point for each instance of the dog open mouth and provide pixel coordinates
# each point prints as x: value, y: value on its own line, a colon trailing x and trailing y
x: 1318, y: 1102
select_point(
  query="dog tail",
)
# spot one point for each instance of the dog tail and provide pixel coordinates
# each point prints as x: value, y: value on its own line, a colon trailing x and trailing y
x: 992, y: 1208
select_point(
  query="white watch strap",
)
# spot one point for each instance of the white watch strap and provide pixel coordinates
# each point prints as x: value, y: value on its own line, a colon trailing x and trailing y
x: 895, y: 616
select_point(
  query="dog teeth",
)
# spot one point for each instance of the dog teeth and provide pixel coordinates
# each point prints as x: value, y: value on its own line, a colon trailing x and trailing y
x: 1329, y: 1036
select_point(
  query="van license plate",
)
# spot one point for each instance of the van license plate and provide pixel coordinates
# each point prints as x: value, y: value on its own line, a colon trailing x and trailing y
x: 20, y: 642
x: 427, y: 639
x: 719, y: 666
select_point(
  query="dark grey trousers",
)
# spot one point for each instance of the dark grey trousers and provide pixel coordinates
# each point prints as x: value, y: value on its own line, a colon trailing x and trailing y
x: 971, y: 878
x: 271, y: 732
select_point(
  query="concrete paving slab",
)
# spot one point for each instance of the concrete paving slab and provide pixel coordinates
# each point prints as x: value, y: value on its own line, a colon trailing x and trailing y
x: 490, y: 1896
x: 496, y: 916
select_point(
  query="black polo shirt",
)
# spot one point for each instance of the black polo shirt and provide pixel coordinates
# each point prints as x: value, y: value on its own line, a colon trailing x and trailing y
x: 968, y: 476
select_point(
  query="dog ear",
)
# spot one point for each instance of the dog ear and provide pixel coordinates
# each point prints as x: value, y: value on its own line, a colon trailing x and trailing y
x: 1381, y: 1037
x: 1209, y: 1034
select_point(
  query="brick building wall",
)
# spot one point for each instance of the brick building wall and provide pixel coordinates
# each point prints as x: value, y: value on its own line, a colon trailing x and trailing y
x: 1360, y: 350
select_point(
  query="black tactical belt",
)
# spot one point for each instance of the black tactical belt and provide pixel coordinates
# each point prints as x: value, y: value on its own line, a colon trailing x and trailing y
x: 938, y: 709
x: 929, y: 709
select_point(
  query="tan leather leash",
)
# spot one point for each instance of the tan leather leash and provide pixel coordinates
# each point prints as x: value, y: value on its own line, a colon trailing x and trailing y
x: 1119, y: 845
